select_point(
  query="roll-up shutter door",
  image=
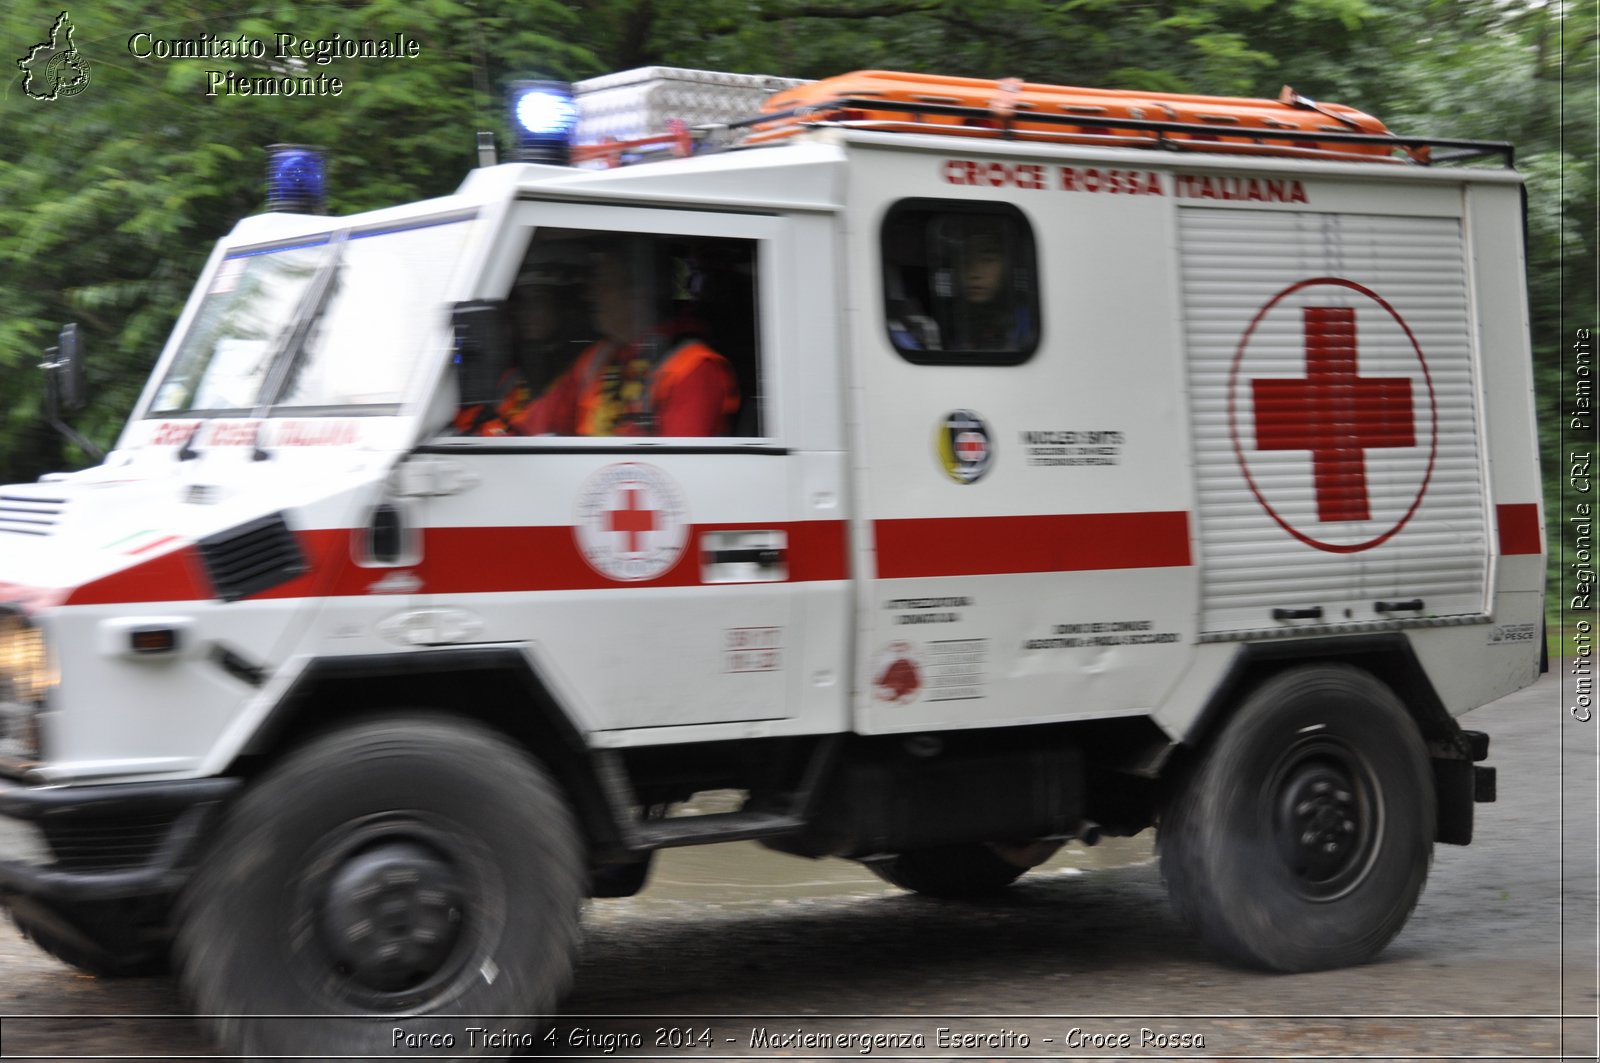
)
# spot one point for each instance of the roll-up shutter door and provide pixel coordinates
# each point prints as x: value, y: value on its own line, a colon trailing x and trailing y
x: 1335, y: 420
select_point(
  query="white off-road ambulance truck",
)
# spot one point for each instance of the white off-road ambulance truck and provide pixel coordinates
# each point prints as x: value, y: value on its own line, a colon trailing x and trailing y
x: 1084, y: 462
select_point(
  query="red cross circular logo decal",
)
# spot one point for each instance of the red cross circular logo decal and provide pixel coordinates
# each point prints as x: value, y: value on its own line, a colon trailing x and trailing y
x: 1333, y: 416
x: 965, y: 447
x: 631, y: 524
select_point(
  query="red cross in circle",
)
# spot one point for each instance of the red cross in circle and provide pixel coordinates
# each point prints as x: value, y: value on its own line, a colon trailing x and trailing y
x: 1334, y: 413
x: 630, y: 519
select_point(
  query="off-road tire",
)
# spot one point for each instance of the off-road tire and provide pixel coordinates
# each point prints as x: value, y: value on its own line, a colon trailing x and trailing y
x: 1316, y: 756
x: 955, y: 872
x: 445, y: 809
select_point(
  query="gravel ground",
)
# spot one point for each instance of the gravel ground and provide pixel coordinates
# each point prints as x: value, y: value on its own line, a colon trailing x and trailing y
x: 744, y: 954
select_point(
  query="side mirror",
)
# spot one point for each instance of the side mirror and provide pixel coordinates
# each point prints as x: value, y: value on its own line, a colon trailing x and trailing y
x: 64, y: 372
x: 64, y: 388
x: 481, y: 349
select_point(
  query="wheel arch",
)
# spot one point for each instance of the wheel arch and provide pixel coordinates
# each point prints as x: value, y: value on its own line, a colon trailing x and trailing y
x: 1389, y: 658
x: 493, y: 685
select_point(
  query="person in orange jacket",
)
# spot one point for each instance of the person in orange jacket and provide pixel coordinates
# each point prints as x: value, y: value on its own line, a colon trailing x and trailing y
x: 665, y: 382
x: 550, y: 329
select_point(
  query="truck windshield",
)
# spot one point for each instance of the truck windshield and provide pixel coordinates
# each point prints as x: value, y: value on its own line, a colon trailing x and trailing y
x: 324, y: 323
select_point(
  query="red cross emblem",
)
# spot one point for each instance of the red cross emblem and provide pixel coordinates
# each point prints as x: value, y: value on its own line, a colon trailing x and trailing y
x: 631, y: 520
x: 1335, y: 413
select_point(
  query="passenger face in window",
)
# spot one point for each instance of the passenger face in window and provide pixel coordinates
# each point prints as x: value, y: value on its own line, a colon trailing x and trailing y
x: 984, y: 315
x: 536, y: 312
x: 613, y: 289
x: 549, y: 315
x: 984, y: 272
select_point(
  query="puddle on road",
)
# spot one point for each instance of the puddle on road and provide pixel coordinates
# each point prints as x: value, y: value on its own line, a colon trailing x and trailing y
x: 745, y: 873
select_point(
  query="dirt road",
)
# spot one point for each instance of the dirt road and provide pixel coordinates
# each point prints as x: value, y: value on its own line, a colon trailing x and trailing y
x: 736, y: 953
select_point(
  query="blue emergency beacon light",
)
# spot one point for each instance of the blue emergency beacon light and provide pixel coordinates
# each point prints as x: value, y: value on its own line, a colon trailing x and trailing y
x: 295, y: 179
x: 544, y: 117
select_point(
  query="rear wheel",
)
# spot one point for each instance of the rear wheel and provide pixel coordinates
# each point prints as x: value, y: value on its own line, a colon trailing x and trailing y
x: 1302, y: 838
x: 950, y: 871
x: 405, y: 873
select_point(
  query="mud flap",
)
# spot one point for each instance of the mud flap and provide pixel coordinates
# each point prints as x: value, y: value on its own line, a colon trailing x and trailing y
x: 1458, y: 784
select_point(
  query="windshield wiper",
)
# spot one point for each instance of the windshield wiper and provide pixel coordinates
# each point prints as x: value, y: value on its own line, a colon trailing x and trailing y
x: 287, y: 359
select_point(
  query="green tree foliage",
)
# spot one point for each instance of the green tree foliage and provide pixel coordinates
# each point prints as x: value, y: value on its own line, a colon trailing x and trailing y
x: 111, y: 199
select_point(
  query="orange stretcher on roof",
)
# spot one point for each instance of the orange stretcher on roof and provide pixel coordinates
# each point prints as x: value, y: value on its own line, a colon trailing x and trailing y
x: 976, y: 107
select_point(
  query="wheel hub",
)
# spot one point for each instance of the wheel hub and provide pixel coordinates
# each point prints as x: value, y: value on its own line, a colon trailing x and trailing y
x: 1324, y: 827
x: 390, y: 915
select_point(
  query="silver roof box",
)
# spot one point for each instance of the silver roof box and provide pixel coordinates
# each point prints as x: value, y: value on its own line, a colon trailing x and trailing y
x: 639, y: 103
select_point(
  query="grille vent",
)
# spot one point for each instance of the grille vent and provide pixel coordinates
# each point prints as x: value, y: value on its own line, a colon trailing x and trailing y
x: 252, y: 557
x: 107, y: 844
x: 30, y: 515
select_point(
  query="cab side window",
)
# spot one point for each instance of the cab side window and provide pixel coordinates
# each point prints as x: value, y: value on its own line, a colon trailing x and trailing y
x: 617, y: 334
x: 959, y: 282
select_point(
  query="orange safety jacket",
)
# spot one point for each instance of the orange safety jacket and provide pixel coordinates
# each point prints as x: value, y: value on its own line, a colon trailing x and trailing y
x: 486, y: 420
x: 626, y: 391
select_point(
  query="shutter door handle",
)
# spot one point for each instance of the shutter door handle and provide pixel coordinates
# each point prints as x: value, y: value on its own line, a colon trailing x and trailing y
x: 1313, y: 613
x: 1410, y: 605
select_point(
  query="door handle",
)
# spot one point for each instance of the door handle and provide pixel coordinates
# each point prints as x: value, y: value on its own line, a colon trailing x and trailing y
x: 754, y: 555
x: 765, y: 556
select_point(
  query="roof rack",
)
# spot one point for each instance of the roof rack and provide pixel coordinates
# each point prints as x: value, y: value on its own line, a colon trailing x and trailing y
x: 679, y: 141
x: 1291, y: 126
x: 873, y: 113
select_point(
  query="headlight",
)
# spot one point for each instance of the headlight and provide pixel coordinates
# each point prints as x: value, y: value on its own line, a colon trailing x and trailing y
x: 25, y: 676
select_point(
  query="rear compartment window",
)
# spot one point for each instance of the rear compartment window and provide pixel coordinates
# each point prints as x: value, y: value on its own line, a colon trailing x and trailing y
x: 960, y: 283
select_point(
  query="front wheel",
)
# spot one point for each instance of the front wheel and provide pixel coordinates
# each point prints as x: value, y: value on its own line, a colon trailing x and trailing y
x: 406, y: 873
x: 1302, y: 838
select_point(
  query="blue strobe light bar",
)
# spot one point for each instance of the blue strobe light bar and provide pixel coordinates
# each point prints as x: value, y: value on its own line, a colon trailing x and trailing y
x: 544, y: 118
x: 296, y: 179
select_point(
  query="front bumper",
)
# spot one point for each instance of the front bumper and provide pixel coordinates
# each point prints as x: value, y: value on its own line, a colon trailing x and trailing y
x: 74, y: 845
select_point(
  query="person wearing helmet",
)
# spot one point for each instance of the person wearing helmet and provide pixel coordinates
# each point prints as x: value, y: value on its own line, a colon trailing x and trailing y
x: 549, y: 330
